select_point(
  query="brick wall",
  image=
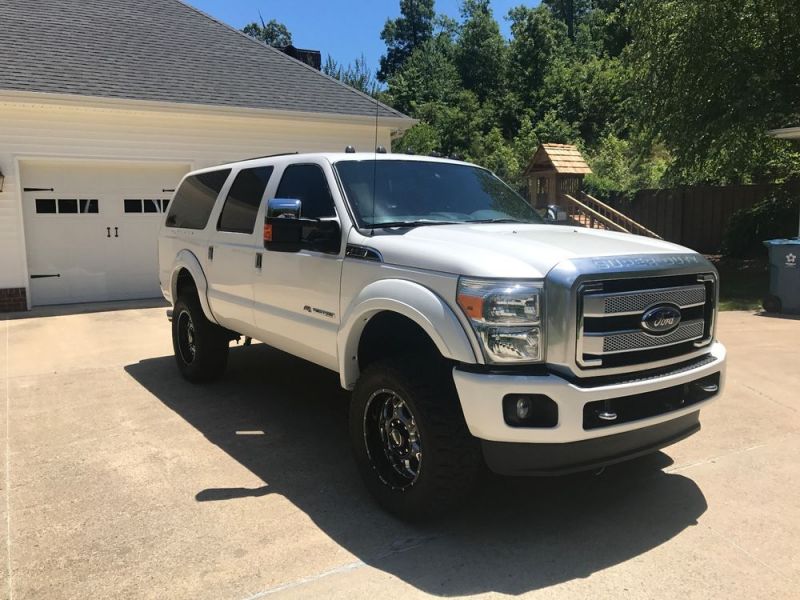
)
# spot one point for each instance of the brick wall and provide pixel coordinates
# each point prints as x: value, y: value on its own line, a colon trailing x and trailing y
x: 13, y: 299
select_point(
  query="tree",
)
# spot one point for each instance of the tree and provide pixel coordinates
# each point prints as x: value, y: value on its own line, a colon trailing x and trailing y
x: 480, y: 52
x: 402, y: 35
x: 569, y: 12
x: 357, y: 74
x: 428, y: 76
x: 538, y: 38
x: 710, y: 77
x: 272, y: 33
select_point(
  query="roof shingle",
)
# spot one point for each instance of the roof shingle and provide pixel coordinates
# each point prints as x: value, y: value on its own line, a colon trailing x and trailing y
x: 159, y: 50
x: 562, y: 158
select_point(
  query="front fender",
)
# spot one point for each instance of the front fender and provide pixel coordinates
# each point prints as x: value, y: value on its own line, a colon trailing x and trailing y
x: 187, y: 260
x: 411, y: 300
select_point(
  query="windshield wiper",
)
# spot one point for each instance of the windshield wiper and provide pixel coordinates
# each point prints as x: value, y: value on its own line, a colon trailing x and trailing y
x: 506, y: 220
x: 417, y: 223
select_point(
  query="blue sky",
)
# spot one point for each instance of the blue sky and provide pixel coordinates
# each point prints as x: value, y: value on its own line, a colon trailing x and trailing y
x: 342, y: 28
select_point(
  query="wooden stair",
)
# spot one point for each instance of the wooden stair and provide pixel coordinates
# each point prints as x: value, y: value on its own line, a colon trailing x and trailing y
x: 591, y: 212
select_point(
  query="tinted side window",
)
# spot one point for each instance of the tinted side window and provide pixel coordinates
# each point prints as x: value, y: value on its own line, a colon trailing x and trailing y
x: 307, y: 183
x: 195, y: 199
x: 244, y: 198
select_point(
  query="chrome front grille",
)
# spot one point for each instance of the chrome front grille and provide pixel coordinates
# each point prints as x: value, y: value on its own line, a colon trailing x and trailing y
x: 611, y: 314
x: 627, y: 303
x: 626, y: 341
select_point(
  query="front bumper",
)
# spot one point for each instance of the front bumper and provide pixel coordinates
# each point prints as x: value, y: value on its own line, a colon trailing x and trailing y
x: 509, y: 458
x: 481, y: 396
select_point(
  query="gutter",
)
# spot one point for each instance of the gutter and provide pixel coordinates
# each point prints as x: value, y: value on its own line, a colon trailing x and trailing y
x: 101, y: 103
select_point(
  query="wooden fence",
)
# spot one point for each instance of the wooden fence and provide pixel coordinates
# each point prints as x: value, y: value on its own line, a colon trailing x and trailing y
x: 693, y: 216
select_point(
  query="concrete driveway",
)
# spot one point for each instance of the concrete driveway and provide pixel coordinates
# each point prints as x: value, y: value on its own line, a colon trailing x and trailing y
x: 122, y: 481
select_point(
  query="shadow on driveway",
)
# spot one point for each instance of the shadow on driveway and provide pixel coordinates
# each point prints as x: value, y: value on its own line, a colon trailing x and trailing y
x: 514, y: 536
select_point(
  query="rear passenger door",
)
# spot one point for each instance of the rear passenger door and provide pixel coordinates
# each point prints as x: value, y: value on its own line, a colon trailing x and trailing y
x: 236, y: 250
x: 186, y: 226
x: 297, y: 293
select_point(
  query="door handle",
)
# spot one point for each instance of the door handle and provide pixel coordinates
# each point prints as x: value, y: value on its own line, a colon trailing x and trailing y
x: 116, y: 231
x: 258, y: 260
x: 108, y: 231
x: 211, y: 253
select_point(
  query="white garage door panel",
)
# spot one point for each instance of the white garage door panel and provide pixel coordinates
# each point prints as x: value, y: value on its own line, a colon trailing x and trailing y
x: 91, y: 228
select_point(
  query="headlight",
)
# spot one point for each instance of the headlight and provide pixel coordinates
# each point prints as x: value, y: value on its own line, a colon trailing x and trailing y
x: 506, y: 317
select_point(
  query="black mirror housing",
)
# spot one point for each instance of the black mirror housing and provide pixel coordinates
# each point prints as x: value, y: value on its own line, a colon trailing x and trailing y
x: 321, y: 235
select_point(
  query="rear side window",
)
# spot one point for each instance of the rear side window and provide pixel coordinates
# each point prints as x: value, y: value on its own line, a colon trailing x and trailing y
x: 307, y: 183
x: 244, y: 198
x: 195, y: 199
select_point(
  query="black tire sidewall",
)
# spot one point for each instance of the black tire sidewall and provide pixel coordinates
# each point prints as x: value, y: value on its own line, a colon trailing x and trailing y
x: 450, y: 456
x: 211, y: 346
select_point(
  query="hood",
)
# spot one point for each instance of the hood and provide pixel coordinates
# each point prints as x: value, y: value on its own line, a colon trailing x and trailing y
x: 504, y: 250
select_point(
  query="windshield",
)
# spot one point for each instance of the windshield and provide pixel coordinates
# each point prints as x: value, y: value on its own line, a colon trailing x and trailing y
x: 414, y: 192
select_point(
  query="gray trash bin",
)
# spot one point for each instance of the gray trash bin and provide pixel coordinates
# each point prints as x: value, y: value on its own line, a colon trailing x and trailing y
x: 784, y: 276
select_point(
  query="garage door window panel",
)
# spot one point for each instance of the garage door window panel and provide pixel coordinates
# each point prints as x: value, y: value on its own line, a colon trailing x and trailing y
x: 45, y: 206
x: 243, y: 200
x: 66, y: 206
x: 89, y: 206
x: 195, y: 199
x: 150, y: 206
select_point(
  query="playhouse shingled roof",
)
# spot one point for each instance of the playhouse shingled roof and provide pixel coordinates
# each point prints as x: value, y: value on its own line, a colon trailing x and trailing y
x: 564, y: 159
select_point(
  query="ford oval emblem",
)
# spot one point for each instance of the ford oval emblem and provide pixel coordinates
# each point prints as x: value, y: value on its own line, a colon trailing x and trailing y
x: 661, y: 319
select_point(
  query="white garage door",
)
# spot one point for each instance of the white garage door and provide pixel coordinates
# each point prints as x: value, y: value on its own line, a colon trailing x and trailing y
x: 91, y: 228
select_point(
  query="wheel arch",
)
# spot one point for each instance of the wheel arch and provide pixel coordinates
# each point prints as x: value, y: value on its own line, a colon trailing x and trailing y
x: 411, y: 301
x: 187, y: 265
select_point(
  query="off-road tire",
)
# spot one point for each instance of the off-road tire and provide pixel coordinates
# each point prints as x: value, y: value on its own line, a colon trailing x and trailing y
x: 207, y: 357
x: 451, y: 463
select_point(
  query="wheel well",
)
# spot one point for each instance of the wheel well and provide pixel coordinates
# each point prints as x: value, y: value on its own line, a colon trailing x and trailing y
x: 391, y: 334
x: 185, y: 284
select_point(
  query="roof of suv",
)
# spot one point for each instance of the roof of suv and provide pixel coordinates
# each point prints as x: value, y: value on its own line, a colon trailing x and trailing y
x: 334, y: 157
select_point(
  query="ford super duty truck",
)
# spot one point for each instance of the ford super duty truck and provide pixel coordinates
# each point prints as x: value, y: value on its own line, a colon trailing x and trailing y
x: 471, y: 332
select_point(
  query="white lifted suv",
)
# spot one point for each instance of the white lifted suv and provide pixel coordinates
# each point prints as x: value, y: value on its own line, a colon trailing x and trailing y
x: 470, y: 331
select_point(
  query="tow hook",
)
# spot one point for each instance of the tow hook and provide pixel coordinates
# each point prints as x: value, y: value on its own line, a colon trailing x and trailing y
x: 708, y: 388
x: 607, y: 414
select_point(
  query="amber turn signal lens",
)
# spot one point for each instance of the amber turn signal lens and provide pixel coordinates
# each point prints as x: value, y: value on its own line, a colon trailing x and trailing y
x: 471, y: 305
x: 267, y: 232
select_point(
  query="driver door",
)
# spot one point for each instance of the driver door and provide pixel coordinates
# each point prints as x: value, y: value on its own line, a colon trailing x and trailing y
x: 297, y: 293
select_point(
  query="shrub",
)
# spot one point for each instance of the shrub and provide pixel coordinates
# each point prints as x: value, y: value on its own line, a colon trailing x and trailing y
x: 774, y: 217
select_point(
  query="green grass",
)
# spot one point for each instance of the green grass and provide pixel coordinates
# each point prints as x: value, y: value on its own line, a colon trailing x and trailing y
x: 743, y: 282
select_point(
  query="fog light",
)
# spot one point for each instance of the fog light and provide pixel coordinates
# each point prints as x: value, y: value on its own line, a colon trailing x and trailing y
x: 523, y: 408
x: 530, y: 410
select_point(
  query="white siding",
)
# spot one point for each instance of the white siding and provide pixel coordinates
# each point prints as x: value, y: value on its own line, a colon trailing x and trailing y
x: 30, y: 131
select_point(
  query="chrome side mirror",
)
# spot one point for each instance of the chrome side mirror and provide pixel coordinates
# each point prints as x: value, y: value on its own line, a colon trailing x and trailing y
x: 284, y: 208
x: 283, y: 229
x: 555, y: 214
